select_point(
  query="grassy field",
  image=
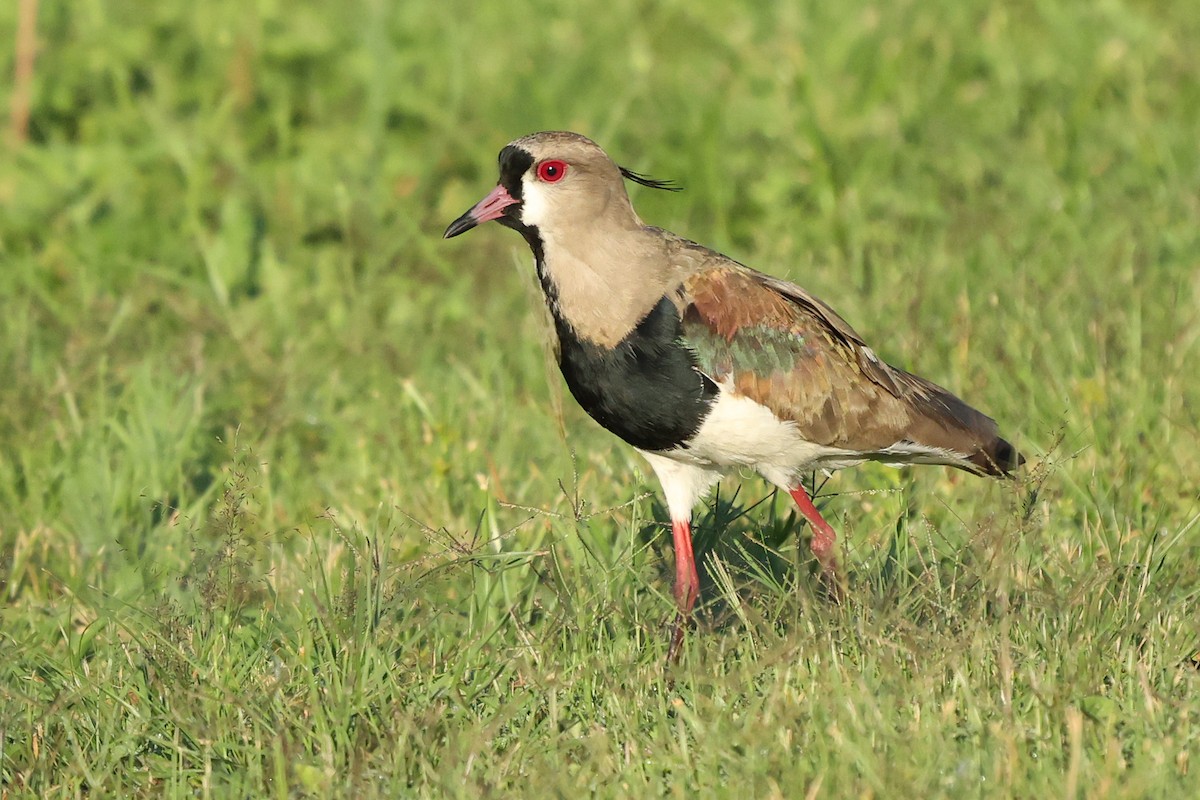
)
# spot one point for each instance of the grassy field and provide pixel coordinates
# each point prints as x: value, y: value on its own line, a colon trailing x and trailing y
x: 293, y: 502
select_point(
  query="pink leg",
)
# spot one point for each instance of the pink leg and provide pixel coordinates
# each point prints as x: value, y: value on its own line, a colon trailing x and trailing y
x: 824, y: 540
x: 687, y: 582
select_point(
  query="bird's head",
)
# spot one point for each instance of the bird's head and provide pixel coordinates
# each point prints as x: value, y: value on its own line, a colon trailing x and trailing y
x: 555, y: 180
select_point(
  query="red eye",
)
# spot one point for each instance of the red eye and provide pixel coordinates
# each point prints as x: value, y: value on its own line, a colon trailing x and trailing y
x: 552, y: 171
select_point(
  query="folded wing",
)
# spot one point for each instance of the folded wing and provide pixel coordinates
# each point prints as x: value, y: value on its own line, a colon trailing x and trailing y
x: 773, y: 342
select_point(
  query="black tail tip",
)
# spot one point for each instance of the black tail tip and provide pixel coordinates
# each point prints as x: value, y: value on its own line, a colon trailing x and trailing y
x: 1000, y: 459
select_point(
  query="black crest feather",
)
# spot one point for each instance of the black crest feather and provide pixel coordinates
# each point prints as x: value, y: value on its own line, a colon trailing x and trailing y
x: 646, y: 180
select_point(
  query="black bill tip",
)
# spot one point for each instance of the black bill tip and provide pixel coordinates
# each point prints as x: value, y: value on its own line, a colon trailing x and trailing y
x: 460, y: 225
x: 493, y: 206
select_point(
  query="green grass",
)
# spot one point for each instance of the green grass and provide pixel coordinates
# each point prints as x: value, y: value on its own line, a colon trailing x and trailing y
x: 293, y: 503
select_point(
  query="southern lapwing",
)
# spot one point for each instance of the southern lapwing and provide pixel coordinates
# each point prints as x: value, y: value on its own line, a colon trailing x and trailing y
x: 705, y: 365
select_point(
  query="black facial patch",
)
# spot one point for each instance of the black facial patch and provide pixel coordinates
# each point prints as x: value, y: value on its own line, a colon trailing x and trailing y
x: 514, y: 162
x: 646, y: 389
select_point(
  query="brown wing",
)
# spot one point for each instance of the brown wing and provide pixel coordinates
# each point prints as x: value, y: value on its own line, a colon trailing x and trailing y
x: 782, y: 347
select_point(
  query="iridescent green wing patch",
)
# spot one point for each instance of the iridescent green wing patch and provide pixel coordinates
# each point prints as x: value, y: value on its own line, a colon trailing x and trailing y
x: 768, y: 347
x: 760, y: 349
x: 736, y: 324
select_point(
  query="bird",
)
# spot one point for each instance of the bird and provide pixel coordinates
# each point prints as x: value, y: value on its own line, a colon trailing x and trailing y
x: 705, y: 365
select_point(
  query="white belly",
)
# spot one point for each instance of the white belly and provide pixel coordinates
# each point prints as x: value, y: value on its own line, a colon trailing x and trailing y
x: 740, y: 432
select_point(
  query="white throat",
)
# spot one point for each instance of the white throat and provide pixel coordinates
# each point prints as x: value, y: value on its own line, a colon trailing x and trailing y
x: 534, y: 203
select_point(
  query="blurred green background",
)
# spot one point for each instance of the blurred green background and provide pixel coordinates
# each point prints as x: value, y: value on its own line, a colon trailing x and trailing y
x: 292, y: 501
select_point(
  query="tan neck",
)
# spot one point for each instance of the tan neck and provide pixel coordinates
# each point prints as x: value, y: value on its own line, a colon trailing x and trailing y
x: 604, y: 286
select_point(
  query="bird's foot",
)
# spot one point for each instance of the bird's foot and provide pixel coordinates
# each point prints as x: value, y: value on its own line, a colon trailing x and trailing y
x: 824, y: 547
x: 834, y: 586
x: 678, y: 630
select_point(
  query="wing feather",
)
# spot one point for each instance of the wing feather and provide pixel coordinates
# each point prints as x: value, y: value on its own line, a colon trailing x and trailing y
x: 775, y: 343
